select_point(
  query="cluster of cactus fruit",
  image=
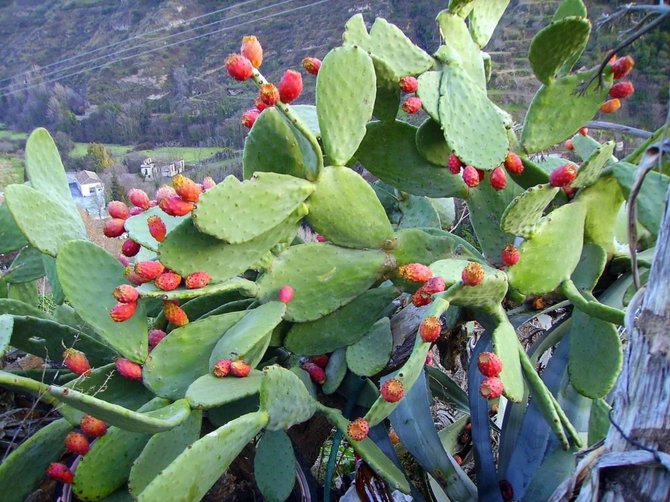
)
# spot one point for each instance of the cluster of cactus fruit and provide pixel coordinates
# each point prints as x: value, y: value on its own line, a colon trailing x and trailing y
x: 220, y: 319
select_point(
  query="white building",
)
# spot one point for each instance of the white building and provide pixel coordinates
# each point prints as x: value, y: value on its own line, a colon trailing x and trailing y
x: 89, y: 183
x: 150, y: 170
x: 88, y: 192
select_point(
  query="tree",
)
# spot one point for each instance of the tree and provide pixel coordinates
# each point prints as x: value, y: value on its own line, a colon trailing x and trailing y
x: 100, y: 157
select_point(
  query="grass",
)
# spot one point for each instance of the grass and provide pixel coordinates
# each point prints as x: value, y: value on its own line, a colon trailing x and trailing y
x: 191, y: 155
x: 117, y: 151
x: 12, y: 135
x: 11, y: 170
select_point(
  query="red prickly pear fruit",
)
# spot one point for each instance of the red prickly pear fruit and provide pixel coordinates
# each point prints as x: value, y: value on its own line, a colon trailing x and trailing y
x: 454, y: 164
x: 139, y: 198
x: 76, y: 442
x: 155, y: 337
x: 222, y: 368
x: 114, y: 228
x: 249, y: 117
x: 393, y: 436
x: 175, y: 206
x: 498, y: 178
x: 157, y: 227
x: 149, y: 270
x: 622, y: 90
x: 239, y: 67
x: 123, y: 311
x: 430, y: 329
x: 584, y: 131
x: 409, y: 84
x: 563, y: 175
x: 513, y: 163
x: 320, y: 238
x: 168, y: 281
x: 165, y: 192
x: 611, y: 105
x: 481, y: 173
x: 510, y: 255
x: 130, y: 248
x: 135, y: 278
x: 415, y: 272
x: 315, y: 372
x: 128, y: 369
x: 424, y: 295
x: 392, y: 390
x: 125, y: 293
x: 321, y: 361
x: 412, y: 105
x: 252, y: 50
x: 174, y: 314
x: 208, y: 183
x: 458, y: 459
x: 358, y: 429
x: 506, y: 490
x: 473, y: 274
x: 622, y: 67
x: 186, y: 188
x: 118, y: 209
x: 421, y: 298
x: 240, y: 368
x: 311, y: 65
x: 123, y: 260
x: 76, y: 362
x: 286, y: 294
x: 429, y: 359
x: 569, y: 192
x: 569, y: 145
x: 197, y: 280
x: 470, y: 176
x: 489, y: 364
x: 269, y: 94
x: 290, y: 86
x: 134, y: 211
x: 260, y: 106
x: 93, y: 427
x: 491, y: 388
x: 60, y: 472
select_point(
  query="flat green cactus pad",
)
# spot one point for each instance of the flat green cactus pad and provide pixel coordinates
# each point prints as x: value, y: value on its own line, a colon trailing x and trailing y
x: 523, y: 214
x: 461, y: 7
x: 484, y: 18
x: 418, y: 212
x: 335, y: 370
x: 345, y: 93
x: 285, y: 399
x: 369, y: 355
x: 238, y: 212
x: 387, y: 99
x: 426, y: 246
x: 274, y: 466
x: 195, y: 471
x: 355, y: 32
x: 149, y: 290
x: 431, y: 144
x: 556, y: 45
x: 276, y: 145
x: 429, y: 92
x: 138, y: 229
x: 486, y: 295
x: 462, y: 48
x: 603, y: 200
x: 592, y: 168
x: 506, y: 347
x: 390, y: 44
x: 389, y: 152
x: 324, y: 277
x: 342, y: 327
x: 590, y: 267
x: 570, y: 8
x: 471, y: 124
x: 11, y: 237
x: 584, y: 146
x: 307, y: 114
x: 550, y: 256
x: 26, y: 267
x: 183, y: 356
x: 93, y: 299
x: 345, y: 210
x: 209, y: 391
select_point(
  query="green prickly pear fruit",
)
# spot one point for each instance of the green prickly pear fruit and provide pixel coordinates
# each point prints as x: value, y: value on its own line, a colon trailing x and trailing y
x: 409, y: 84
x: 239, y: 67
x: 430, y: 329
x: 76, y: 442
x: 491, y: 388
x: 60, y: 472
x: 392, y: 390
x: 473, y: 274
x: 76, y: 362
x: 290, y: 86
x: 510, y: 255
x: 470, y: 176
x: 412, y: 105
x: 139, y: 198
x: 118, y: 209
x: 157, y: 227
x: 311, y: 65
x: 489, y: 364
x: 197, y: 280
x: 130, y: 248
x: 563, y: 175
x: 498, y: 178
x: 252, y: 50
x: 358, y: 429
x: 114, y: 228
x: 128, y: 369
x: 222, y: 368
x: 149, y: 270
x: 513, y: 163
x: 92, y: 426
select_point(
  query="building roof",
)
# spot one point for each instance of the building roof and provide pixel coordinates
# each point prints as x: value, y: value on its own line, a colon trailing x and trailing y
x: 87, y: 177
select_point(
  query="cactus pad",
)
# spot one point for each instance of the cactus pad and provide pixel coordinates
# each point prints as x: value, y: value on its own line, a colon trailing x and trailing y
x: 431, y: 144
x: 506, y: 347
x: 554, y: 46
x: 209, y: 391
x: 484, y: 19
x: 486, y: 295
x: 523, y: 214
x: 285, y: 399
x: 584, y: 146
x: 138, y: 228
x: 335, y: 370
x: 387, y: 99
x: 570, y: 8
x: 149, y: 290
x: 417, y: 245
x: 274, y: 466
x: 603, y: 200
x: 418, y: 212
x: 429, y: 92
x: 369, y: 355
x: 592, y: 168
x: 11, y: 237
x: 391, y: 45
x: 462, y: 49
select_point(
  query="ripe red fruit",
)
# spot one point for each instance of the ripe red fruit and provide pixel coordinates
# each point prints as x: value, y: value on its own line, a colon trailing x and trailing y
x: 430, y: 329
x: 321, y: 361
x: 290, y: 86
x: 165, y: 192
x: 249, y: 117
x: 222, y: 368
x: 155, y: 337
x: 130, y: 247
x: 409, y: 84
x: 563, y: 175
x: 176, y: 206
x: 286, y: 294
x: 157, y: 227
x: 312, y: 65
x: 60, y: 472
x: 76, y: 362
x: 315, y: 372
x: 114, y: 228
x: 197, y: 280
x: 168, y: 281
x: 569, y: 144
x: 125, y: 293
x: 128, y: 369
x: 260, y: 106
x: 489, y: 364
x: 481, y: 173
x: 506, y: 490
x: 93, y: 427
x: 118, y: 209
x: 358, y: 429
x: 415, y: 272
x: 268, y: 94
x: 134, y: 211
x: 240, y: 368
x: 208, y: 183
x: 622, y: 89
x: 424, y: 295
x: 584, y: 131
x: 622, y: 67
x: 498, y: 178
x: 149, y: 270
x: 252, y: 50
x: 454, y: 164
x: 491, y: 388
x: 174, y: 313
x: 392, y: 390
x: 513, y: 163
x: 76, y: 443
x: 139, y: 198
x: 510, y: 255
x: 473, y: 274
x: 239, y: 67
x: 123, y: 311
x: 470, y: 176
x: 429, y: 359
x: 611, y: 105
x: 186, y: 188
x: 412, y: 105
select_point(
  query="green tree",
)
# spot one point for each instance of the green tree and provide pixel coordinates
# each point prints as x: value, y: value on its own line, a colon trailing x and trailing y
x: 100, y: 157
